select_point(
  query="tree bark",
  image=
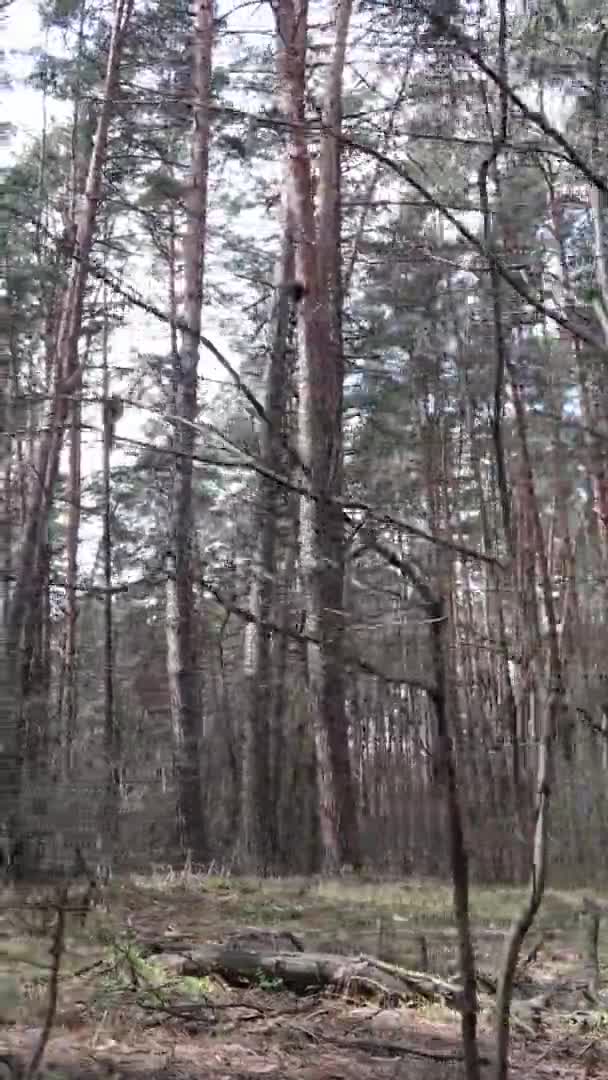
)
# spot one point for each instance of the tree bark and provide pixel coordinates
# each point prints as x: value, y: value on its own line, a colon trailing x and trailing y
x: 112, y: 734
x: 321, y: 375
x: 552, y: 714
x: 259, y: 825
x: 182, y: 663
x: 68, y: 687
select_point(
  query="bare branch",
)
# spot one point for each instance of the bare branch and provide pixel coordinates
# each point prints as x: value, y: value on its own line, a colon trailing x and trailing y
x: 352, y: 659
x: 468, y: 47
x: 577, y: 329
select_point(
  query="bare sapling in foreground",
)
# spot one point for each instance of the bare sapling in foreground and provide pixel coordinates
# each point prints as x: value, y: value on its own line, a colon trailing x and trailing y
x: 524, y: 920
x: 436, y: 612
x: 32, y: 1070
x: 550, y: 727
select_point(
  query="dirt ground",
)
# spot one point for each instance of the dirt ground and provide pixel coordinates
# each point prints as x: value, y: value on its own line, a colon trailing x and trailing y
x: 121, y: 1015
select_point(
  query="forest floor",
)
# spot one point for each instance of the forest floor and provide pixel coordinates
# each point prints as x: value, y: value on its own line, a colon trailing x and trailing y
x: 120, y: 1014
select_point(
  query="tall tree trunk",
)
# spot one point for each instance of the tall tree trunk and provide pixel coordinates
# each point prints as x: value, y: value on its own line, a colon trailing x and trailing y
x: 83, y: 134
x: 182, y: 663
x: 173, y: 320
x: 330, y: 400
x: 321, y: 373
x: 68, y: 704
x: 9, y: 424
x: 282, y: 652
x: 109, y: 823
x: 35, y: 682
x: 259, y: 815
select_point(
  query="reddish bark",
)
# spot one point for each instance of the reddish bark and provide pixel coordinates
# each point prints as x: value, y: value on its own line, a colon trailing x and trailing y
x: 321, y: 376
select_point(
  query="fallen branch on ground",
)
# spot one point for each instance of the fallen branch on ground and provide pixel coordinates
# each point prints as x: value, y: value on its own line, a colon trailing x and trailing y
x: 304, y: 971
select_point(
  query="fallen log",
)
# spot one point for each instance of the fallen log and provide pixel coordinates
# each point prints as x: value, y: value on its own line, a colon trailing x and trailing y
x: 305, y: 971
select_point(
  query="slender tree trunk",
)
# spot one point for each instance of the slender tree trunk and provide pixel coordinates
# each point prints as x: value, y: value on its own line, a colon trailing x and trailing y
x: 69, y: 707
x: 83, y: 134
x: 112, y: 735
x: 436, y: 612
x: 9, y: 423
x: 459, y: 862
x: 173, y: 320
x: 35, y: 682
x: 282, y: 682
x: 259, y: 815
x: 550, y: 724
x: 182, y: 663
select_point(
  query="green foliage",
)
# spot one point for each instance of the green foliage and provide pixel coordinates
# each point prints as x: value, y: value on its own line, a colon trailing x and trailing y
x: 161, y: 188
x: 271, y: 984
x: 594, y: 1021
x: 150, y: 982
x: 220, y: 79
x: 197, y: 989
x: 59, y: 13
